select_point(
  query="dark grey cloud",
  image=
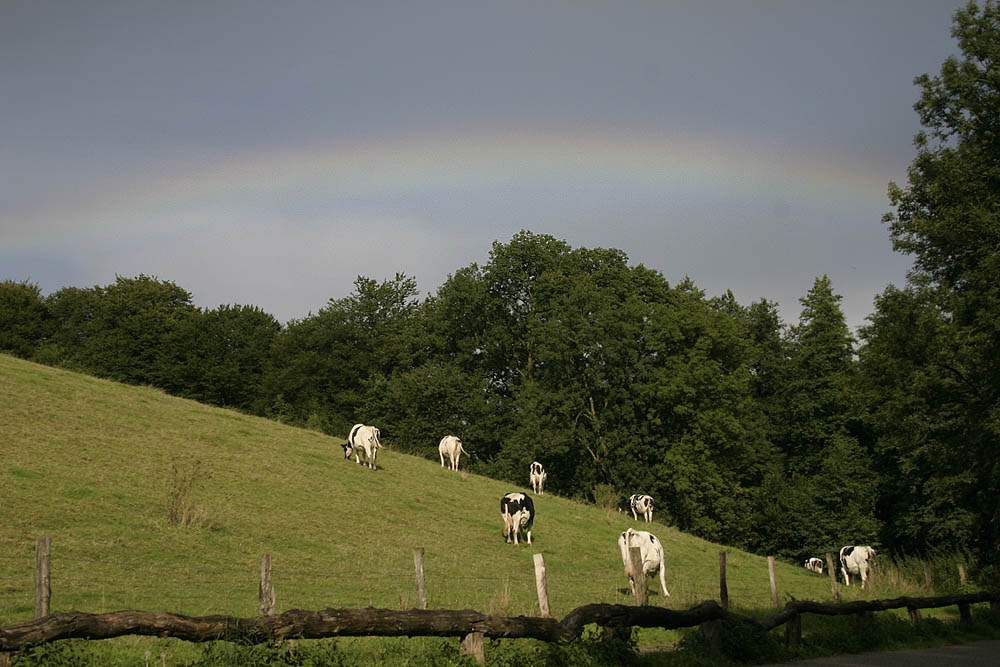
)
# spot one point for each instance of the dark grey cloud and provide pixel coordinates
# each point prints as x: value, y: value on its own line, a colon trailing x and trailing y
x: 101, y: 99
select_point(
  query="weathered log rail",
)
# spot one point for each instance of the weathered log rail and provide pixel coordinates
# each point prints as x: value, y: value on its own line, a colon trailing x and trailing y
x: 796, y: 607
x: 302, y: 624
x: 297, y: 623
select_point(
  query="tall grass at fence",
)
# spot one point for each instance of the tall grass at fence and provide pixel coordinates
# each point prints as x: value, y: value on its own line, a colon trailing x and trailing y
x: 908, y: 575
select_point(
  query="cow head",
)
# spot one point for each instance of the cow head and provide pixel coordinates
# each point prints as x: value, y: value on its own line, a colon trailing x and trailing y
x: 348, y: 450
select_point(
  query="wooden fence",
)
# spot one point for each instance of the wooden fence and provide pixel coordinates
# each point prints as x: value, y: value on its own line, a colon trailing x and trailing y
x: 472, y: 626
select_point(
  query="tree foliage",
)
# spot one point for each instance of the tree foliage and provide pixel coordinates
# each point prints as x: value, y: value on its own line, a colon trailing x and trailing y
x: 933, y: 348
x: 24, y: 321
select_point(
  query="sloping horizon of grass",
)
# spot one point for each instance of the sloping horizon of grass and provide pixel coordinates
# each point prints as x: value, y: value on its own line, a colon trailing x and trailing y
x: 94, y: 464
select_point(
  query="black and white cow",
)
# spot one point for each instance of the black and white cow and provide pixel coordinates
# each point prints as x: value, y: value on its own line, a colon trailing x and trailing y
x: 814, y: 565
x: 651, y: 553
x: 451, y: 447
x: 641, y: 505
x: 518, y: 512
x: 363, y: 441
x: 348, y: 450
x: 857, y: 561
x: 537, y: 476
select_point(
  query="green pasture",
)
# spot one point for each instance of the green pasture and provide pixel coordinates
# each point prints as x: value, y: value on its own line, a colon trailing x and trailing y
x: 96, y: 465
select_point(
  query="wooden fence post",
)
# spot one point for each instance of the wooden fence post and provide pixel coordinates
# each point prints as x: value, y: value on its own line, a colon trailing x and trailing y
x: 723, y: 589
x: 472, y: 644
x: 774, y: 584
x: 927, y: 577
x: 834, y: 587
x: 711, y: 633
x: 542, y: 586
x: 418, y: 568
x: 914, y: 615
x: 638, y: 576
x: 265, y: 592
x: 793, y: 630
x: 43, y: 579
x: 964, y: 613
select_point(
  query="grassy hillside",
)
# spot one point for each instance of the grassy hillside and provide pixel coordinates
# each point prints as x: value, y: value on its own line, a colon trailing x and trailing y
x: 92, y: 464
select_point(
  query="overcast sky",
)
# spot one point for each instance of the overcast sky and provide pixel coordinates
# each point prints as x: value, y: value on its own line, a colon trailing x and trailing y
x: 267, y: 153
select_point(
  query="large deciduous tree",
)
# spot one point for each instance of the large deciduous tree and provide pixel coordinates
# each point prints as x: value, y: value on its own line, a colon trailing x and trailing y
x: 322, y: 366
x: 943, y: 419
x: 25, y: 323
x: 134, y: 330
x: 228, y: 349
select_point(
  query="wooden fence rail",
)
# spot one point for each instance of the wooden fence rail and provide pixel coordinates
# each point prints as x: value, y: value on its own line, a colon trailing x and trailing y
x: 297, y: 623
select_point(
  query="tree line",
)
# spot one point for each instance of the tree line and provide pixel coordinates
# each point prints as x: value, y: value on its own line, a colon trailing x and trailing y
x: 780, y: 439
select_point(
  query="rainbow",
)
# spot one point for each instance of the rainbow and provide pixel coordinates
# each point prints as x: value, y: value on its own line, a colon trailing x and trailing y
x: 324, y: 179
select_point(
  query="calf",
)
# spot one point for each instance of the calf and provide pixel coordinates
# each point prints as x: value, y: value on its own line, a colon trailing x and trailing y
x: 537, y: 475
x: 814, y: 565
x: 363, y: 441
x: 651, y: 553
x: 518, y: 512
x: 641, y: 505
x: 451, y: 447
x: 856, y: 560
